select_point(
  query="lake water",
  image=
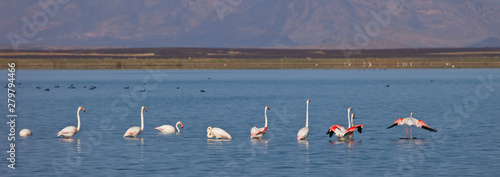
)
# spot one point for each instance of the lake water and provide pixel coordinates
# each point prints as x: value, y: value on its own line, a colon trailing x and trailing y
x: 463, y: 104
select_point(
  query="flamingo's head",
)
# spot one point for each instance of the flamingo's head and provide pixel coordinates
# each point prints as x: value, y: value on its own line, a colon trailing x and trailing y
x: 349, y: 109
x: 353, y: 115
x: 308, y: 101
x: 159, y: 128
x: 182, y: 126
x: 144, y: 108
x: 209, y: 132
x: 81, y: 108
x: 411, y: 114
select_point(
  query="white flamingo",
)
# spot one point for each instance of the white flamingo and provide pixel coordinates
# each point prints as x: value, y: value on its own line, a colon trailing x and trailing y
x: 170, y: 128
x: 25, y: 132
x: 69, y: 131
x: 412, y: 122
x: 217, y: 133
x: 134, y: 131
x: 343, y: 134
x: 257, y: 133
x: 304, y: 131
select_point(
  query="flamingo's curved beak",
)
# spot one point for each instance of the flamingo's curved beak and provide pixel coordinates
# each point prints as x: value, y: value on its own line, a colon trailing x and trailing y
x: 182, y: 126
x: 145, y: 109
x: 268, y: 108
x: 83, y: 109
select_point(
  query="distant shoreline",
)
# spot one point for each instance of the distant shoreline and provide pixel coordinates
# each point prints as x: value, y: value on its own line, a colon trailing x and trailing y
x: 212, y: 58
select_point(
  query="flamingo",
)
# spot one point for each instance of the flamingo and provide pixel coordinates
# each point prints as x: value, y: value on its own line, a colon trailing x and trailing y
x: 218, y: 133
x: 412, y: 122
x: 25, y: 132
x: 170, y: 128
x: 257, y: 133
x: 304, y: 131
x: 69, y: 131
x: 343, y: 134
x: 134, y: 131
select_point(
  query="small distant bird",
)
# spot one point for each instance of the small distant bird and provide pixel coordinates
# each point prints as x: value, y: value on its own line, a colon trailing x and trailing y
x: 432, y: 80
x: 47, y: 89
x: 126, y: 87
x: 144, y: 83
x: 38, y: 87
x: 177, y: 87
x: 387, y: 85
x: 202, y: 90
x: 84, y: 86
x: 56, y: 86
x: 209, y: 78
x: 144, y: 90
x: 323, y: 41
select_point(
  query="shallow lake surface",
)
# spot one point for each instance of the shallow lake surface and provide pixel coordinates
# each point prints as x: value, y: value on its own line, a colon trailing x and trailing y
x: 462, y: 104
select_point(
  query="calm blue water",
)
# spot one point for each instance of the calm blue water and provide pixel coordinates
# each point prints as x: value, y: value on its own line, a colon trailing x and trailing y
x: 457, y: 103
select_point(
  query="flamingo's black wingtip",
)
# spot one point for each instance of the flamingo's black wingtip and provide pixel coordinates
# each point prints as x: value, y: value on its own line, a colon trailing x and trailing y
x: 330, y: 133
x: 391, y: 126
x: 430, y: 129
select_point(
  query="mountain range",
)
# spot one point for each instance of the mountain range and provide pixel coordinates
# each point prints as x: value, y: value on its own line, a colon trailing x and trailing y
x: 301, y: 24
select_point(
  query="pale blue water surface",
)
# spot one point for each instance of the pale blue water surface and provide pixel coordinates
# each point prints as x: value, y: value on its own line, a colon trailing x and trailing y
x: 463, y: 104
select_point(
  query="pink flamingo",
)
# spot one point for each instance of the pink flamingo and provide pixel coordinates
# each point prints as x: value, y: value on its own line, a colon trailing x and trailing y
x: 69, y: 131
x: 257, y: 133
x: 343, y: 134
x: 304, y: 131
x: 411, y: 122
x: 134, y: 131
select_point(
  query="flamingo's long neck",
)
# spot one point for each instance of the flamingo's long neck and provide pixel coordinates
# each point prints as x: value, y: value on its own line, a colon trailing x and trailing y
x: 349, y: 117
x: 307, y: 114
x: 177, y: 127
x: 142, y: 119
x: 78, y: 116
x: 265, y: 115
x: 352, y: 120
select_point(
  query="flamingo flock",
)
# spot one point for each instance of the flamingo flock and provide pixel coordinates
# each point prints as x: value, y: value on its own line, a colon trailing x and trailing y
x: 342, y: 134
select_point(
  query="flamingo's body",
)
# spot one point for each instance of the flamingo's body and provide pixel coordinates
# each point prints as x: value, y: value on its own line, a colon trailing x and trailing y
x: 342, y: 133
x: 410, y: 121
x: 304, y: 131
x: 25, y: 132
x: 170, y: 128
x: 217, y: 133
x: 257, y: 133
x: 134, y: 131
x: 69, y: 131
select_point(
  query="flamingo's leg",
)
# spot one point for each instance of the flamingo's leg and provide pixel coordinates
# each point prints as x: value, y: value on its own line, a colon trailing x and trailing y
x: 406, y: 136
x: 411, y: 132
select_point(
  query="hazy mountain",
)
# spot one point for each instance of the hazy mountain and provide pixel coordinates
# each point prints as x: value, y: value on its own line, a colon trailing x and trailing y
x: 250, y: 23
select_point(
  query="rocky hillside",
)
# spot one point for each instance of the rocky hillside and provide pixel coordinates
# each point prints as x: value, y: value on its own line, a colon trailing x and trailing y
x: 324, y: 24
